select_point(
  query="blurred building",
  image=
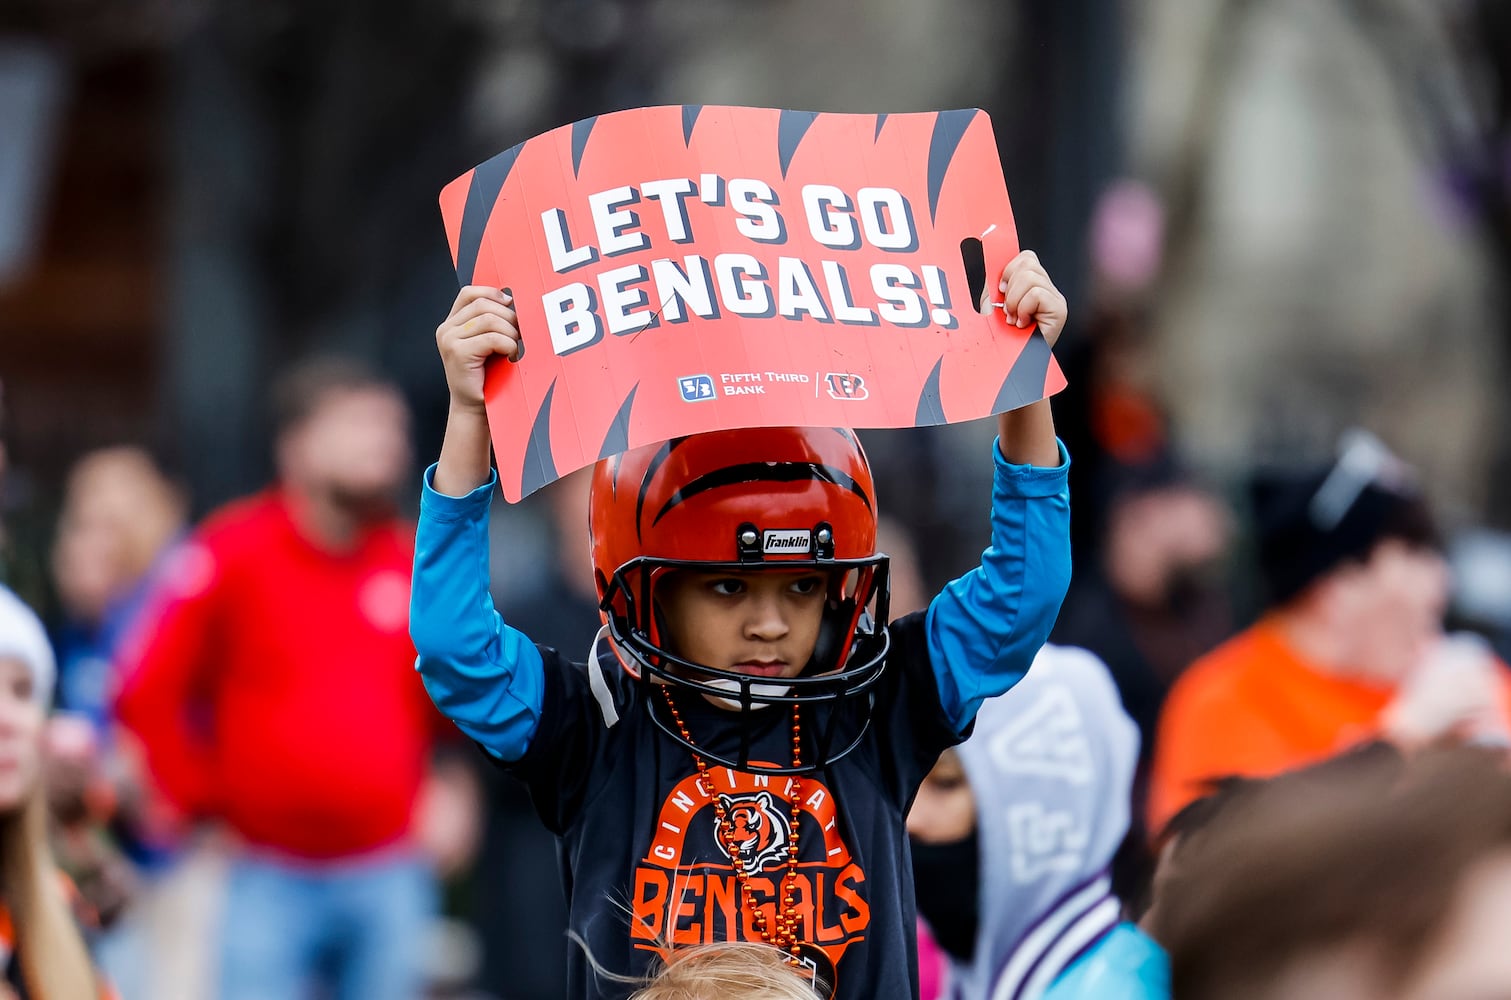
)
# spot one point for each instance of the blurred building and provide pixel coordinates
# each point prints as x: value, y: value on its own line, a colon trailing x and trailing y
x: 1332, y: 234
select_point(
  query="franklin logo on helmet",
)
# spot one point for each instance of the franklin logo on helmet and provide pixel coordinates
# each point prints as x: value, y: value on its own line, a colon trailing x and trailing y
x: 787, y: 541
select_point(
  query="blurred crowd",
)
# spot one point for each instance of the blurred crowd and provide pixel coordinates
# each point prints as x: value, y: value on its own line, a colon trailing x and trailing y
x: 1266, y: 754
x: 248, y: 790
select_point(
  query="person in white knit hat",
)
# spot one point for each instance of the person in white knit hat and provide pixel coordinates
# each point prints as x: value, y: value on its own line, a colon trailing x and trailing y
x: 23, y: 638
x: 47, y: 957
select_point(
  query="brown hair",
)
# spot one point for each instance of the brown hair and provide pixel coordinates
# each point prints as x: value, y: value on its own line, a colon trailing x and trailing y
x: 728, y: 970
x: 54, y: 962
x: 1367, y: 855
x: 1379, y: 758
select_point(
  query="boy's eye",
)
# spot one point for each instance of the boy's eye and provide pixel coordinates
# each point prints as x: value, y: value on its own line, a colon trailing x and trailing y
x: 727, y: 587
x: 806, y: 585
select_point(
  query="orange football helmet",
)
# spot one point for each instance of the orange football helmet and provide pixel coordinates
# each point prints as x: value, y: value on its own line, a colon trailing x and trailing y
x: 742, y: 500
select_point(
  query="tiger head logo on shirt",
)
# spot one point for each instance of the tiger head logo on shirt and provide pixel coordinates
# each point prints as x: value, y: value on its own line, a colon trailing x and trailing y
x: 758, y: 832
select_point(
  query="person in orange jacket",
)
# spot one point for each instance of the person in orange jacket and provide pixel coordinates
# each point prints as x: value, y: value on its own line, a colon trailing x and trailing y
x: 1351, y: 647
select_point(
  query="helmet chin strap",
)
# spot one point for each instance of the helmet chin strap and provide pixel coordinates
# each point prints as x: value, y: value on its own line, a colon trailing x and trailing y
x: 597, y: 682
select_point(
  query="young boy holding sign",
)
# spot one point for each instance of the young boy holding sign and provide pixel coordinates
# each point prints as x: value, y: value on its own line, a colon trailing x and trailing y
x: 736, y: 759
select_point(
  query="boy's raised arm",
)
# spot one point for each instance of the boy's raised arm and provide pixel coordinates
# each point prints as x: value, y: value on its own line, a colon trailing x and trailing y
x: 484, y: 675
x: 985, y: 627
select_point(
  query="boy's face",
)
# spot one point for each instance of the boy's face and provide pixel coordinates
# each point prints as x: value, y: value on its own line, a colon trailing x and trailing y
x: 760, y: 622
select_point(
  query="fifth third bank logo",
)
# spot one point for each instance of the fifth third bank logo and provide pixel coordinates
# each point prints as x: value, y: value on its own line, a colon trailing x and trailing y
x: 695, y: 388
x: 843, y: 385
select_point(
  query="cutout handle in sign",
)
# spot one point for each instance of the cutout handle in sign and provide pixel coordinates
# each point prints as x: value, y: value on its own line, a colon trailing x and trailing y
x: 974, y: 259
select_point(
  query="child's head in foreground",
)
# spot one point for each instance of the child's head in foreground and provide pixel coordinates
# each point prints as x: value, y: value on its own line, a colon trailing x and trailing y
x: 742, y: 566
x: 729, y: 970
x: 1371, y: 877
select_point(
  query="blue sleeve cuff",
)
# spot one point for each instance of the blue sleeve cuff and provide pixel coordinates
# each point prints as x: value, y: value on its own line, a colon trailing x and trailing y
x: 1030, y: 480
x: 444, y: 507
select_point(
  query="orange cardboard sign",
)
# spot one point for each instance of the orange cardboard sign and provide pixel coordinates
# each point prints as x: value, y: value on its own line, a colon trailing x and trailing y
x: 692, y: 268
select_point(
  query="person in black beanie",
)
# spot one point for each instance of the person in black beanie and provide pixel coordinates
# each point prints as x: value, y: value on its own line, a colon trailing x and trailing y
x: 1350, y: 648
x: 1311, y: 521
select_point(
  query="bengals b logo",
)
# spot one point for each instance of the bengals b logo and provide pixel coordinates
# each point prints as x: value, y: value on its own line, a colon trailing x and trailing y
x: 844, y: 385
x: 758, y: 832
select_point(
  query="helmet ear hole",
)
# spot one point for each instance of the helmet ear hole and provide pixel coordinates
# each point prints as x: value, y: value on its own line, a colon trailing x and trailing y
x: 653, y: 616
x: 661, y: 635
x: 833, y: 631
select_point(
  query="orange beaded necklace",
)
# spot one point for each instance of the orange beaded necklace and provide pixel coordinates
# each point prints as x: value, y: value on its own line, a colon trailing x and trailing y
x: 785, y: 934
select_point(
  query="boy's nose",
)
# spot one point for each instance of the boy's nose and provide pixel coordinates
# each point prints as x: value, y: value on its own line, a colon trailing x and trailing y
x: 766, y: 619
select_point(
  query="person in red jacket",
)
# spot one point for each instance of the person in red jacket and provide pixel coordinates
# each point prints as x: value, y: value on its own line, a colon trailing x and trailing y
x: 272, y: 688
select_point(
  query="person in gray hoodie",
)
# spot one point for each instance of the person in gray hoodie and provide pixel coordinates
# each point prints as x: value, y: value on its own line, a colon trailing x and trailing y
x: 1013, y: 835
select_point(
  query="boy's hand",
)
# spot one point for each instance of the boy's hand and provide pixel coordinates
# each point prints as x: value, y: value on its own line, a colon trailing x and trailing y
x: 1026, y: 436
x: 482, y: 323
x: 1029, y: 297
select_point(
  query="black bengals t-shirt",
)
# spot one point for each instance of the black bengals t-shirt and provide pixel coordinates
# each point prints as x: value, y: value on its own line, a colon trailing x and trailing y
x: 642, y: 862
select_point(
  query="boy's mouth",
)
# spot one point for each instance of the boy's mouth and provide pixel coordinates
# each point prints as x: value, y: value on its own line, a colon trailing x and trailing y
x: 762, y: 668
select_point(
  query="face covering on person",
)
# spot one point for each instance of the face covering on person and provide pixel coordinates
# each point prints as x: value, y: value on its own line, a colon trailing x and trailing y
x: 947, y: 881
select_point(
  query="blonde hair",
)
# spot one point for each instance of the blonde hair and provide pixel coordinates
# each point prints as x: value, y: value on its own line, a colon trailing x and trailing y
x: 54, y: 962
x: 728, y: 970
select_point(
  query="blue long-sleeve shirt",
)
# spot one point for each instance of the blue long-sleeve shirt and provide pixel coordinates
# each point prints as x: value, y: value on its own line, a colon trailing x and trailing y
x: 983, y: 628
